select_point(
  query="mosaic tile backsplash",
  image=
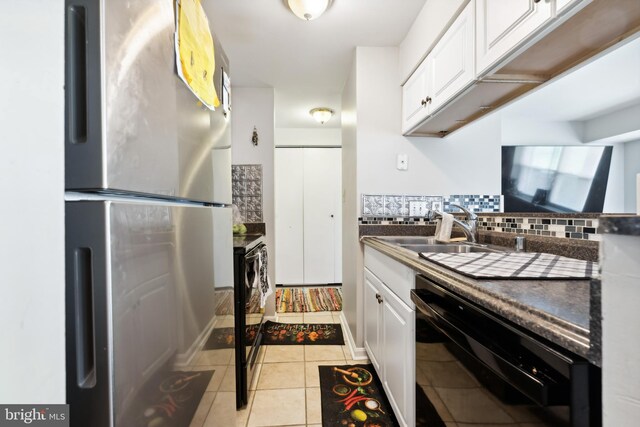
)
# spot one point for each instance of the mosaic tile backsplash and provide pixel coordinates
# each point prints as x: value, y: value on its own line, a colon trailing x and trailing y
x: 395, y: 205
x: 393, y: 209
x: 246, y: 187
x: 575, y: 228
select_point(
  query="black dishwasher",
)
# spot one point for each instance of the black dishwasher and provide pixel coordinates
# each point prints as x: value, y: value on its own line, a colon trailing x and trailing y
x: 475, y: 367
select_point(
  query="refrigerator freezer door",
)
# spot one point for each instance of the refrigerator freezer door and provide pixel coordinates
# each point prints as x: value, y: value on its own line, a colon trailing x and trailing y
x: 131, y: 124
x: 141, y: 302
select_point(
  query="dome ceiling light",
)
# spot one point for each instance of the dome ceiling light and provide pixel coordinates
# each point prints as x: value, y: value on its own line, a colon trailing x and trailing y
x: 321, y: 114
x: 308, y: 10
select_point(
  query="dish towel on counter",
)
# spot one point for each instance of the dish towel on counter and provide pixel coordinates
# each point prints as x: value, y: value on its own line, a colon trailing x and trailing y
x: 514, y: 265
x: 266, y: 287
x: 443, y: 227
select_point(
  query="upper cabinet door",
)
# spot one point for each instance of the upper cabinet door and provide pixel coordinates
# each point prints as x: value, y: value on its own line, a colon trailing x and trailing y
x: 414, y: 94
x: 452, y: 67
x: 502, y: 25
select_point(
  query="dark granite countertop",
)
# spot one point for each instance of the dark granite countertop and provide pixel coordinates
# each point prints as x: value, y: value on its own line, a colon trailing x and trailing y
x: 620, y: 224
x: 241, y: 241
x: 557, y: 310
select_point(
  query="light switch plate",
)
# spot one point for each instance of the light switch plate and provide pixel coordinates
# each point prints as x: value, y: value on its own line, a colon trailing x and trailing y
x: 402, y: 162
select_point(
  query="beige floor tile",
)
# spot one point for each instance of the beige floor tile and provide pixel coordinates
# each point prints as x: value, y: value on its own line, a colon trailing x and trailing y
x: 297, y: 318
x: 312, y: 376
x: 318, y: 317
x: 226, y: 321
x: 278, y: 408
x: 229, y: 381
x: 447, y: 375
x: 281, y: 375
x: 256, y: 376
x: 215, y: 357
x: 261, y: 352
x: 472, y: 405
x: 204, y: 406
x: 223, y: 411
x: 314, y: 409
x: 323, y: 352
x: 216, y: 379
x: 284, y: 353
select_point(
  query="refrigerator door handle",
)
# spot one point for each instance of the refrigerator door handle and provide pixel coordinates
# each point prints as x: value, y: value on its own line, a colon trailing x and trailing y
x: 76, y: 79
x: 84, y: 318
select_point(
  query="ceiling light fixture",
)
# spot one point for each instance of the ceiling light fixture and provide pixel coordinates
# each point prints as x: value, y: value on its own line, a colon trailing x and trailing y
x: 321, y: 114
x: 308, y: 10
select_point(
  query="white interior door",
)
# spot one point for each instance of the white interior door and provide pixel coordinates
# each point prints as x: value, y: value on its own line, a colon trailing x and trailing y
x: 322, y: 189
x: 289, y: 182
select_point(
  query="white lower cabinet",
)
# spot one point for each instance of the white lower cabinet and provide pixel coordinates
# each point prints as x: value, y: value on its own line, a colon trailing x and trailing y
x: 389, y: 331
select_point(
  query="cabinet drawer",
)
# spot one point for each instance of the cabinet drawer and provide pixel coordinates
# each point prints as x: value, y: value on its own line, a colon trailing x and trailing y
x: 397, y: 277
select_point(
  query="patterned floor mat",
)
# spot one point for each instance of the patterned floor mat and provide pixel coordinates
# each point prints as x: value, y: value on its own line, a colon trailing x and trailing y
x: 305, y: 300
x: 303, y: 333
x: 353, y: 395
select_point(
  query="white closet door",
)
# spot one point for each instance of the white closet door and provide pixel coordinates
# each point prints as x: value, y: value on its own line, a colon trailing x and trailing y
x: 289, y: 179
x: 322, y: 170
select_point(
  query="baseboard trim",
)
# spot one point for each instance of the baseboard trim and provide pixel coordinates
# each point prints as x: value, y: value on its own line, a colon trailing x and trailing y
x: 357, y: 353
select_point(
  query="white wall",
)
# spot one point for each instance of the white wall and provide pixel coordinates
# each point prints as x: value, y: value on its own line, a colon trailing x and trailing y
x: 631, y: 169
x: 430, y: 24
x: 254, y: 107
x: 466, y: 162
x: 287, y: 137
x: 32, y: 360
x: 352, y: 258
x: 541, y: 132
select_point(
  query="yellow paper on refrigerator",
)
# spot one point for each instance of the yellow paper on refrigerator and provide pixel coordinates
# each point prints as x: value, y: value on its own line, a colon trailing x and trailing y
x: 195, y: 55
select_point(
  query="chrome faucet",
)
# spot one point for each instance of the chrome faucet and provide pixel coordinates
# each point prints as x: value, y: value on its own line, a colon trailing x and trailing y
x: 469, y: 225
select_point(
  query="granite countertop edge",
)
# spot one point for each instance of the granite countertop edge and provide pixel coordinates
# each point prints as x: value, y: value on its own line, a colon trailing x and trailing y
x: 565, y: 334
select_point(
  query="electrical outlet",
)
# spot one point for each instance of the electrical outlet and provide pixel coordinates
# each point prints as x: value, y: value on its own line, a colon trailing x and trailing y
x: 417, y: 208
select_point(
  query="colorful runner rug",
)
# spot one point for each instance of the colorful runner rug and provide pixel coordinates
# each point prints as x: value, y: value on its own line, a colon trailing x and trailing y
x: 353, y: 395
x: 303, y: 333
x: 304, y: 300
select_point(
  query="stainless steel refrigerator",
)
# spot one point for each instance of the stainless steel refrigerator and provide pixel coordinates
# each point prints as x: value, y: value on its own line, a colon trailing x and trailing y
x: 148, y: 221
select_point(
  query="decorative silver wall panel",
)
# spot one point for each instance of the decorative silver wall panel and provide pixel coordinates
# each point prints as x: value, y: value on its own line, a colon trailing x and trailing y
x: 247, y: 191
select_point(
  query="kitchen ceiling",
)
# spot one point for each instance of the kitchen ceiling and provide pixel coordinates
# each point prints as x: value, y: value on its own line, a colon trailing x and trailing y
x: 307, y: 63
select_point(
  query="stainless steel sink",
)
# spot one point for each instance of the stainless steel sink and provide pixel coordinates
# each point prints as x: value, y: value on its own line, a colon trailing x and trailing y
x: 428, y: 244
x: 447, y: 248
x: 410, y: 240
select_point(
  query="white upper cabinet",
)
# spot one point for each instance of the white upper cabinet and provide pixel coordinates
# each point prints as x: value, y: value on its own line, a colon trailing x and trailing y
x: 414, y: 97
x: 446, y: 71
x: 452, y: 61
x: 503, y: 25
x: 564, y: 5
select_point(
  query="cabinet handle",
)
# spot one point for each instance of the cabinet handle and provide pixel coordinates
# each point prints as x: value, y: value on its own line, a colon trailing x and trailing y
x: 428, y: 99
x: 423, y: 102
x: 536, y: 1
x: 379, y: 298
